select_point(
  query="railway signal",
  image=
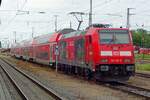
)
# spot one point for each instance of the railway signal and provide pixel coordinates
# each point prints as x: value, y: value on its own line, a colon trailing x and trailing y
x: 56, y: 54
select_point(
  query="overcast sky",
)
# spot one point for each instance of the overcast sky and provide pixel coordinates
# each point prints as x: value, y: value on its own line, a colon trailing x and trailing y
x: 104, y: 11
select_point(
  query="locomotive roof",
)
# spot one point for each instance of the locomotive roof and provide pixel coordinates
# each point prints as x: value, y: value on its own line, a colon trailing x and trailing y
x: 46, y: 38
x: 74, y: 34
x: 25, y: 43
x: 66, y: 30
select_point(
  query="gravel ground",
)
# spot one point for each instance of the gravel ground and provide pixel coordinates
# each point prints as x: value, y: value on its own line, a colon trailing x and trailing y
x: 146, y: 72
x: 31, y: 90
x: 140, y: 81
x: 71, y: 87
x: 10, y: 92
x: 4, y: 92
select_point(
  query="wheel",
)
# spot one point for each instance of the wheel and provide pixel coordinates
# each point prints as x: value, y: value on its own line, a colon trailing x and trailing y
x: 88, y: 74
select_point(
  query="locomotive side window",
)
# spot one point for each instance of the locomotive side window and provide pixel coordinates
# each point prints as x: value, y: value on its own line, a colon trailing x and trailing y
x: 79, y: 49
x: 114, y: 36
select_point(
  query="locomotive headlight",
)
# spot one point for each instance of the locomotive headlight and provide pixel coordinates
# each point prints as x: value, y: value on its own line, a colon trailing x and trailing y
x: 104, y: 60
x: 104, y: 68
x: 127, y: 60
x: 130, y: 68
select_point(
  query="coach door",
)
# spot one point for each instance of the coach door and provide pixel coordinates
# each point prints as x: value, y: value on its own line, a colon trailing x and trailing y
x: 51, y: 53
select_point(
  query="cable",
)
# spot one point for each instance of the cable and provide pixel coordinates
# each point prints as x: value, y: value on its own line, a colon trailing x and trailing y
x: 100, y: 5
x: 143, y: 11
x: 12, y: 19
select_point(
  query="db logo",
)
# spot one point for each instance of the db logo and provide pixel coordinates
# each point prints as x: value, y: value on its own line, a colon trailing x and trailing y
x: 116, y: 53
x: 115, y: 48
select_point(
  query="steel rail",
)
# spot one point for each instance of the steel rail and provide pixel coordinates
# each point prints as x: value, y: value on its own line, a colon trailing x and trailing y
x: 42, y: 86
x: 142, y: 75
x: 21, y: 93
x: 131, y: 89
x: 118, y: 85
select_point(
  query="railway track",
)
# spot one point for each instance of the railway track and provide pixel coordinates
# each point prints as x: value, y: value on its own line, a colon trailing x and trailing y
x: 142, y: 75
x: 28, y: 87
x: 140, y: 61
x: 131, y: 89
x: 6, y: 87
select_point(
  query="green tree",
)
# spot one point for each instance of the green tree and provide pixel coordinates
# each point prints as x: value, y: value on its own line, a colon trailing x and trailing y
x: 141, y: 38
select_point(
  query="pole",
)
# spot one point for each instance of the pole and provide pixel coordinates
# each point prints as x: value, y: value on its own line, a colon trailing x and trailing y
x: 15, y: 35
x: 56, y: 63
x: 56, y: 22
x: 128, y: 17
x: 128, y: 14
x: 8, y: 44
x: 32, y: 32
x: 56, y: 54
x: 90, y: 13
x: 143, y: 43
x: 70, y: 24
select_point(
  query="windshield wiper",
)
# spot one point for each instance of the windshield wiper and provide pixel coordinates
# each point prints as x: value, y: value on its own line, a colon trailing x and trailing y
x: 113, y: 39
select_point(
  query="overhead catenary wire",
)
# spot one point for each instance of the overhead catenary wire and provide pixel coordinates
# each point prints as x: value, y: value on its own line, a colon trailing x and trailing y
x: 12, y: 19
x: 99, y: 5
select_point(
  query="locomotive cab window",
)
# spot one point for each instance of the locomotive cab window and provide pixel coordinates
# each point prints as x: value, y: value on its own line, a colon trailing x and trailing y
x: 114, y: 36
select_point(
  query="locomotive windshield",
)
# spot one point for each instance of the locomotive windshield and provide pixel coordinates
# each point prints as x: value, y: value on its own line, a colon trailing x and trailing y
x: 114, y: 36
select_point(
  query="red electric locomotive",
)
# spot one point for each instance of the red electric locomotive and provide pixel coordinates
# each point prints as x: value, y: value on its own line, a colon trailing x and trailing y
x: 101, y: 52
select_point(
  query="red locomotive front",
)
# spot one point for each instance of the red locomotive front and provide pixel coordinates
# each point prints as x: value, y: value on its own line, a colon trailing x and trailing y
x: 112, y: 53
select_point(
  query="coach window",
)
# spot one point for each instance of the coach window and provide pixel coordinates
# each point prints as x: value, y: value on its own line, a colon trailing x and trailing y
x: 44, y: 55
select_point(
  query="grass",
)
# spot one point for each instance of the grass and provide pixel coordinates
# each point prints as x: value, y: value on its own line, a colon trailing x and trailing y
x: 142, y: 66
x: 142, y: 56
